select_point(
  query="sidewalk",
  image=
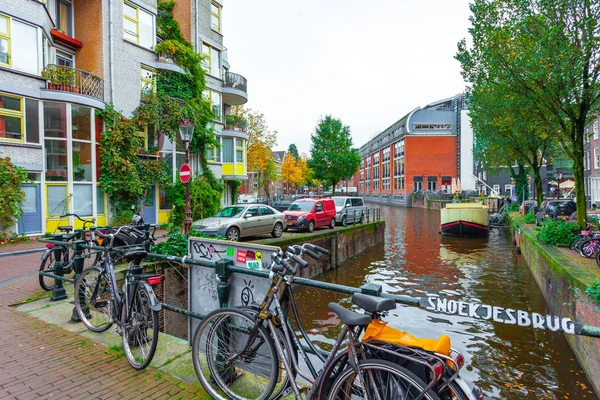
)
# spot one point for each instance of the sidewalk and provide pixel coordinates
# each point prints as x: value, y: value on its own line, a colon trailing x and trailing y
x: 41, y: 360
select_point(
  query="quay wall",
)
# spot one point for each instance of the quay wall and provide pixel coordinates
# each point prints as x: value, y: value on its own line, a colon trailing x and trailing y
x: 343, y: 244
x: 563, y: 285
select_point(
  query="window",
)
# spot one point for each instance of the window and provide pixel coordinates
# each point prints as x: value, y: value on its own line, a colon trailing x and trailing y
x: 147, y: 81
x: 227, y: 150
x: 82, y: 199
x: 100, y: 201
x: 17, y: 35
x: 81, y: 130
x: 596, y: 158
x: 266, y: 211
x: 595, y: 129
x: 55, y: 133
x: 239, y: 150
x: 138, y: 25
x: 215, y: 101
x: 64, y: 59
x: 11, y: 118
x: 64, y: 16
x: 211, y: 60
x: 418, y: 186
x: 319, y: 207
x: 4, y: 40
x: 215, y: 17
x: 497, y: 189
x: 57, y: 199
x: 508, y: 190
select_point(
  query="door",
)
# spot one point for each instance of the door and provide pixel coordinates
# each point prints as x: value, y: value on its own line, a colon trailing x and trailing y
x: 31, y: 219
x: 251, y: 223
x: 149, y: 210
x: 319, y: 214
x: 267, y: 217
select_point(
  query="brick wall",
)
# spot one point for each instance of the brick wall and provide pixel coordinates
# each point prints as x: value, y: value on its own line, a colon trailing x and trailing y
x: 427, y: 156
x: 88, y: 22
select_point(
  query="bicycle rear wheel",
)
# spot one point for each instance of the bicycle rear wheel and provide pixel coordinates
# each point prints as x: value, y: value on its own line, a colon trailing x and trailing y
x: 47, y: 265
x: 380, y: 379
x: 93, y: 299
x: 234, y: 357
x: 588, y: 248
x: 139, y: 330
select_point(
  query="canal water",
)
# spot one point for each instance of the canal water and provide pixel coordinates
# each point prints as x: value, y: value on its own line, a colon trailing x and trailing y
x: 506, y: 361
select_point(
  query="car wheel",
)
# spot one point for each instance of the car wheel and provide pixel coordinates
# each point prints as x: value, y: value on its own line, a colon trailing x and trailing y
x: 277, y: 230
x: 233, y: 234
x: 344, y: 222
x: 332, y: 223
x: 311, y: 226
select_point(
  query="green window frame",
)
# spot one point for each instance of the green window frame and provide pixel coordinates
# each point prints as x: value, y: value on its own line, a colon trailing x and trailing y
x: 15, y: 115
x: 215, y: 17
x: 4, y: 40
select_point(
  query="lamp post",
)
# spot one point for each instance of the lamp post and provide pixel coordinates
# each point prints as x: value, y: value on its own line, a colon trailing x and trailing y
x: 558, y: 175
x: 186, y: 131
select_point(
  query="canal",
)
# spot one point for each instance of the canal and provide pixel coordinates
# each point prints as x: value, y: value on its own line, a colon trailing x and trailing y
x: 506, y: 361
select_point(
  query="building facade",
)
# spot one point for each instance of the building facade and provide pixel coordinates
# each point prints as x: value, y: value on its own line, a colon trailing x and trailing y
x: 62, y: 60
x: 424, y: 150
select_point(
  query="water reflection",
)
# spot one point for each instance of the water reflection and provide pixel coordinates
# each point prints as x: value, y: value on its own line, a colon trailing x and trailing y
x: 507, y: 361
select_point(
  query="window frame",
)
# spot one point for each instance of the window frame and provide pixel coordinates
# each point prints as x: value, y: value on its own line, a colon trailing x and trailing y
x: 150, y: 82
x: 217, y: 16
x: 6, y: 36
x: 239, y: 148
x: 69, y: 4
x: 136, y: 21
x: 15, y: 114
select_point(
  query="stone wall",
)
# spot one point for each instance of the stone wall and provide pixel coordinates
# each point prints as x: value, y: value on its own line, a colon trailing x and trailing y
x: 563, y: 285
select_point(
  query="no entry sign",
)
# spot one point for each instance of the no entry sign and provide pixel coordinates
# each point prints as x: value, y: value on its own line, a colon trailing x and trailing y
x: 185, y: 173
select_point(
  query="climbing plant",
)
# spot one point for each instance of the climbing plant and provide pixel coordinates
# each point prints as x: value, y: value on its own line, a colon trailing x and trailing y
x: 11, y: 179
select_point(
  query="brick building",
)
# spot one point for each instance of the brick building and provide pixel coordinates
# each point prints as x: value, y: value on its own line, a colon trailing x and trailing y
x: 105, y: 50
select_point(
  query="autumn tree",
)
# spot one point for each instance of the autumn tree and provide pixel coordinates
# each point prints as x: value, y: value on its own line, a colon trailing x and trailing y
x: 290, y: 173
x: 547, y: 53
x: 332, y: 157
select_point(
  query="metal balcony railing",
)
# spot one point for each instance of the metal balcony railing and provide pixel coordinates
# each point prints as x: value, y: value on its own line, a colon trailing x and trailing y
x: 236, y: 81
x: 68, y: 79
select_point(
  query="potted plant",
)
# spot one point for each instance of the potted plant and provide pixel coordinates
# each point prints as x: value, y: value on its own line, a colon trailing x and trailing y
x: 66, y: 78
x: 50, y: 74
x: 229, y: 121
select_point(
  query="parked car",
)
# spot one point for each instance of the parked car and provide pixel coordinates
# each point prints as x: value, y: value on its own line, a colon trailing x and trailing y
x: 308, y: 214
x: 349, y: 210
x: 235, y: 222
x: 591, y: 216
x: 555, y: 209
x: 281, y: 205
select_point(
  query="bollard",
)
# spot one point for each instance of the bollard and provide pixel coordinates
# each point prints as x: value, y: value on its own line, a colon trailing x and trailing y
x: 78, y: 266
x: 368, y: 214
x: 58, y: 292
x: 224, y: 286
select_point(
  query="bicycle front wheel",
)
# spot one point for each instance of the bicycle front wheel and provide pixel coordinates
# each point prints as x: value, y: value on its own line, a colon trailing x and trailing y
x: 140, y: 330
x: 234, y: 357
x: 379, y: 379
x: 47, y: 265
x: 93, y: 299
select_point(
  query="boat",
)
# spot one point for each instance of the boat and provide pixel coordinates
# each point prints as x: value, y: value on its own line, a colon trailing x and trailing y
x: 464, y: 219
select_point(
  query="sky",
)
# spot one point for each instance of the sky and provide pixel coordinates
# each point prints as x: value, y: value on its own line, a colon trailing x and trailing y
x: 367, y: 63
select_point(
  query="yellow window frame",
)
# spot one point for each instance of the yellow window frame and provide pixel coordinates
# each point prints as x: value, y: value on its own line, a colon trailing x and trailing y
x: 14, y: 114
x: 146, y: 81
x: 6, y: 36
x: 66, y: 197
x: 207, y: 57
x: 136, y: 21
x: 217, y: 15
x: 144, y: 136
x: 240, y: 148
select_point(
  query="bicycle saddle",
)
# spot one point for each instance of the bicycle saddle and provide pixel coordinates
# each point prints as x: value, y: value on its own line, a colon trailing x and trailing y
x: 373, y: 304
x: 135, y: 254
x: 350, y: 317
x: 66, y: 228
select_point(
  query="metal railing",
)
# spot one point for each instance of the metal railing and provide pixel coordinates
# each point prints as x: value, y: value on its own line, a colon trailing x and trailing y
x: 236, y: 81
x: 68, y: 79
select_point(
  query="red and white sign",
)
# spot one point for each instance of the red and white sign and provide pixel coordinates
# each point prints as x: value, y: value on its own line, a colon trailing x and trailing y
x: 185, y: 173
x: 241, y: 256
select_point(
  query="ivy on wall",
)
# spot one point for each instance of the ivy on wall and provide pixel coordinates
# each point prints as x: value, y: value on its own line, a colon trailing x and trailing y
x: 11, y: 179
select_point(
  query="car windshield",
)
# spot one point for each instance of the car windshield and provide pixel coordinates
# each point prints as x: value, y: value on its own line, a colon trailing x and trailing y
x: 302, y: 206
x: 231, y: 212
x: 339, y: 201
x: 560, y: 206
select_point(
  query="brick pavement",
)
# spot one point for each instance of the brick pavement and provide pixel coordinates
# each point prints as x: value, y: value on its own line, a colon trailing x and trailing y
x: 39, y: 360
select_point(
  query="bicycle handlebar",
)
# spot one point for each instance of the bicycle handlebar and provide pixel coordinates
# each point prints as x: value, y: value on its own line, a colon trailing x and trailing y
x: 85, y: 221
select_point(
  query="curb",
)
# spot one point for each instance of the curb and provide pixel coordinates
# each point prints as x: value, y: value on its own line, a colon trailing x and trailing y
x: 20, y: 252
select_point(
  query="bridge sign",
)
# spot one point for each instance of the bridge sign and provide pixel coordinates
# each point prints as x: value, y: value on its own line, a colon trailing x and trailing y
x: 185, y: 173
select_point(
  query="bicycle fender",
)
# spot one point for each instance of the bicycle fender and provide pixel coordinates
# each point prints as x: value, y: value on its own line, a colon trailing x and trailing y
x: 466, y: 389
x: 46, y: 254
x: 154, y: 303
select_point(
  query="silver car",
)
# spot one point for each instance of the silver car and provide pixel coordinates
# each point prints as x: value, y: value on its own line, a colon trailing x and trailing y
x: 242, y: 220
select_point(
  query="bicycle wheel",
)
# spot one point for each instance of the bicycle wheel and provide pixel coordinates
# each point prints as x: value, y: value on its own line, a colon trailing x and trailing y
x: 139, y: 330
x: 233, y: 357
x: 588, y: 248
x: 47, y: 265
x: 381, y: 380
x: 454, y: 392
x: 94, y: 299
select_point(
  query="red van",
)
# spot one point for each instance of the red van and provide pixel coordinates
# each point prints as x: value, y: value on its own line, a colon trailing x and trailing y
x: 309, y: 214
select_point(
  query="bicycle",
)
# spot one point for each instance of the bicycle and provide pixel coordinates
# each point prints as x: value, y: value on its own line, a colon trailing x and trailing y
x: 242, y: 355
x: 584, y: 235
x: 48, y: 260
x: 134, y: 308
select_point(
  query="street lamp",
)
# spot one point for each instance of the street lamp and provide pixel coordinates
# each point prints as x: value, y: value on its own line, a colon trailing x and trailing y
x: 186, y: 131
x: 559, y: 176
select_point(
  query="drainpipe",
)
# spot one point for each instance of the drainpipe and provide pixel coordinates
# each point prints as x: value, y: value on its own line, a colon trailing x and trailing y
x: 196, y: 26
x: 110, y: 51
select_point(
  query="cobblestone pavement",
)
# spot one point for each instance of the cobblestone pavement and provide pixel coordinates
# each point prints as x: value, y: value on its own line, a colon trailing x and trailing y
x: 39, y: 360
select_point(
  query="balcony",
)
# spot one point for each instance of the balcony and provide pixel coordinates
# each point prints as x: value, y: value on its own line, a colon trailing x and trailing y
x: 73, y: 80
x: 235, y: 89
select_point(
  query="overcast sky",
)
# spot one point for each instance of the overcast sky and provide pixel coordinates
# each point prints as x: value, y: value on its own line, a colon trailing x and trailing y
x: 366, y: 62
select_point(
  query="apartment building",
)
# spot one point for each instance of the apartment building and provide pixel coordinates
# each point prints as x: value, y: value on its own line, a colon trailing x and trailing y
x: 61, y: 60
x: 424, y: 150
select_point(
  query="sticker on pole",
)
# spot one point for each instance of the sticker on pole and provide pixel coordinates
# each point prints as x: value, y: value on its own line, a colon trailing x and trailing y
x: 185, y: 173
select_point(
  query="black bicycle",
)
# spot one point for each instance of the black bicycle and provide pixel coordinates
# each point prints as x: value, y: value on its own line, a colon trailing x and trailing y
x: 237, y: 353
x: 90, y: 258
x: 133, y: 308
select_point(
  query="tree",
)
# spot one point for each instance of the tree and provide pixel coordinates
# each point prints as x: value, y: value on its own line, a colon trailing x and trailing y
x: 332, y: 156
x: 548, y: 53
x: 290, y: 172
x: 294, y: 150
x: 11, y: 179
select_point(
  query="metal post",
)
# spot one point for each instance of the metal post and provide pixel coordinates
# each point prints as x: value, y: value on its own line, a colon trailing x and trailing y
x: 78, y: 261
x: 187, y: 224
x: 372, y: 289
x: 224, y: 286
x: 58, y: 292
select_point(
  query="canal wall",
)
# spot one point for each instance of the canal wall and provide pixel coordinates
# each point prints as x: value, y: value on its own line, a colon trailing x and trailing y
x: 563, y: 284
x: 343, y: 244
x: 403, y: 200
